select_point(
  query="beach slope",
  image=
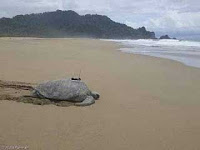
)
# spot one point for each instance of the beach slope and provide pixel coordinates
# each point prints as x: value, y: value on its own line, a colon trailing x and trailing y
x: 146, y: 103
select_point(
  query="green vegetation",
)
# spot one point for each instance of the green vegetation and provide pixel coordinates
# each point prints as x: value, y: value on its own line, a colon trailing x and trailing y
x: 69, y: 24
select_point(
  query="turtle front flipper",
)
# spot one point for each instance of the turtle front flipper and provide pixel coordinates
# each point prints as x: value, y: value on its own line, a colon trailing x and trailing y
x: 88, y: 101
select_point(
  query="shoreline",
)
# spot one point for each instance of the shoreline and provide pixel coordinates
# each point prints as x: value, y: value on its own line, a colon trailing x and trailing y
x: 120, y: 46
x: 157, y: 57
x: 186, y: 52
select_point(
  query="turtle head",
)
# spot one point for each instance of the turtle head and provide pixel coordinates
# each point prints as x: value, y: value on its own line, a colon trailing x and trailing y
x: 95, y: 95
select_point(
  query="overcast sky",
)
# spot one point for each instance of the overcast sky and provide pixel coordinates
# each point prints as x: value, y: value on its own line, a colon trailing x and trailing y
x: 173, y: 17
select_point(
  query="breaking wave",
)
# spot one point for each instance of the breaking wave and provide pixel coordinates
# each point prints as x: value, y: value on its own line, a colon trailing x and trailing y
x: 187, y: 52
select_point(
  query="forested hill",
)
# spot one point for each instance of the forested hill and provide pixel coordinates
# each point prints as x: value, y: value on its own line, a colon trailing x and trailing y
x: 69, y: 24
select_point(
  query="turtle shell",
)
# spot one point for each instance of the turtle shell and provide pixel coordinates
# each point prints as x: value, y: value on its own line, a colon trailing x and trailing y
x: 66, y: 89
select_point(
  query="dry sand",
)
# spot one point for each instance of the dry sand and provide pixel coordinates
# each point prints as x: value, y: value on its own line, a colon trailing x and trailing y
x: 146, y: 103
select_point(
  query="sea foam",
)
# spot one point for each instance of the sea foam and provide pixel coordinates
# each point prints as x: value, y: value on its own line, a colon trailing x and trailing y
x: 187, y: 52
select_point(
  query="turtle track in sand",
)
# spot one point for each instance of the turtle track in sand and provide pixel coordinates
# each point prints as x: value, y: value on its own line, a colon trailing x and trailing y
x: 17, y: 91
x: 16, y: 85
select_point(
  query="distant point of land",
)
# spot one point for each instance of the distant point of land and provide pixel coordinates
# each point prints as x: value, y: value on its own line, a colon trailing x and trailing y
x: 69, y: 24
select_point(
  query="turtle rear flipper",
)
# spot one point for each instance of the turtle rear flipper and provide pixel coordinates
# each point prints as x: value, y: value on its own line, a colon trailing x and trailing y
x: 88, y: 101
x: 35, y: 94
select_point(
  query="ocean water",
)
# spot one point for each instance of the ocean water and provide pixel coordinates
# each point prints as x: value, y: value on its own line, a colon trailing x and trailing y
x: 186, y: 52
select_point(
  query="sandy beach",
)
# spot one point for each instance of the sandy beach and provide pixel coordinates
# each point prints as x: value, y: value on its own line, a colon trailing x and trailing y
x: 146, y: 103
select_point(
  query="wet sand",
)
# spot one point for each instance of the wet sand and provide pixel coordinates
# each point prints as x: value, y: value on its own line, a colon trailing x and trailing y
x: 146, y: 103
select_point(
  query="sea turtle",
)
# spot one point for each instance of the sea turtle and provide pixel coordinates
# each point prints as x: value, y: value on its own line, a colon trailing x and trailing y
x: 73, y: 90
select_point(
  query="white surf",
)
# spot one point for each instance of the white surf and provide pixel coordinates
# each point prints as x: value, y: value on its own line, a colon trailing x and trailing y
x: 187, y: 52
